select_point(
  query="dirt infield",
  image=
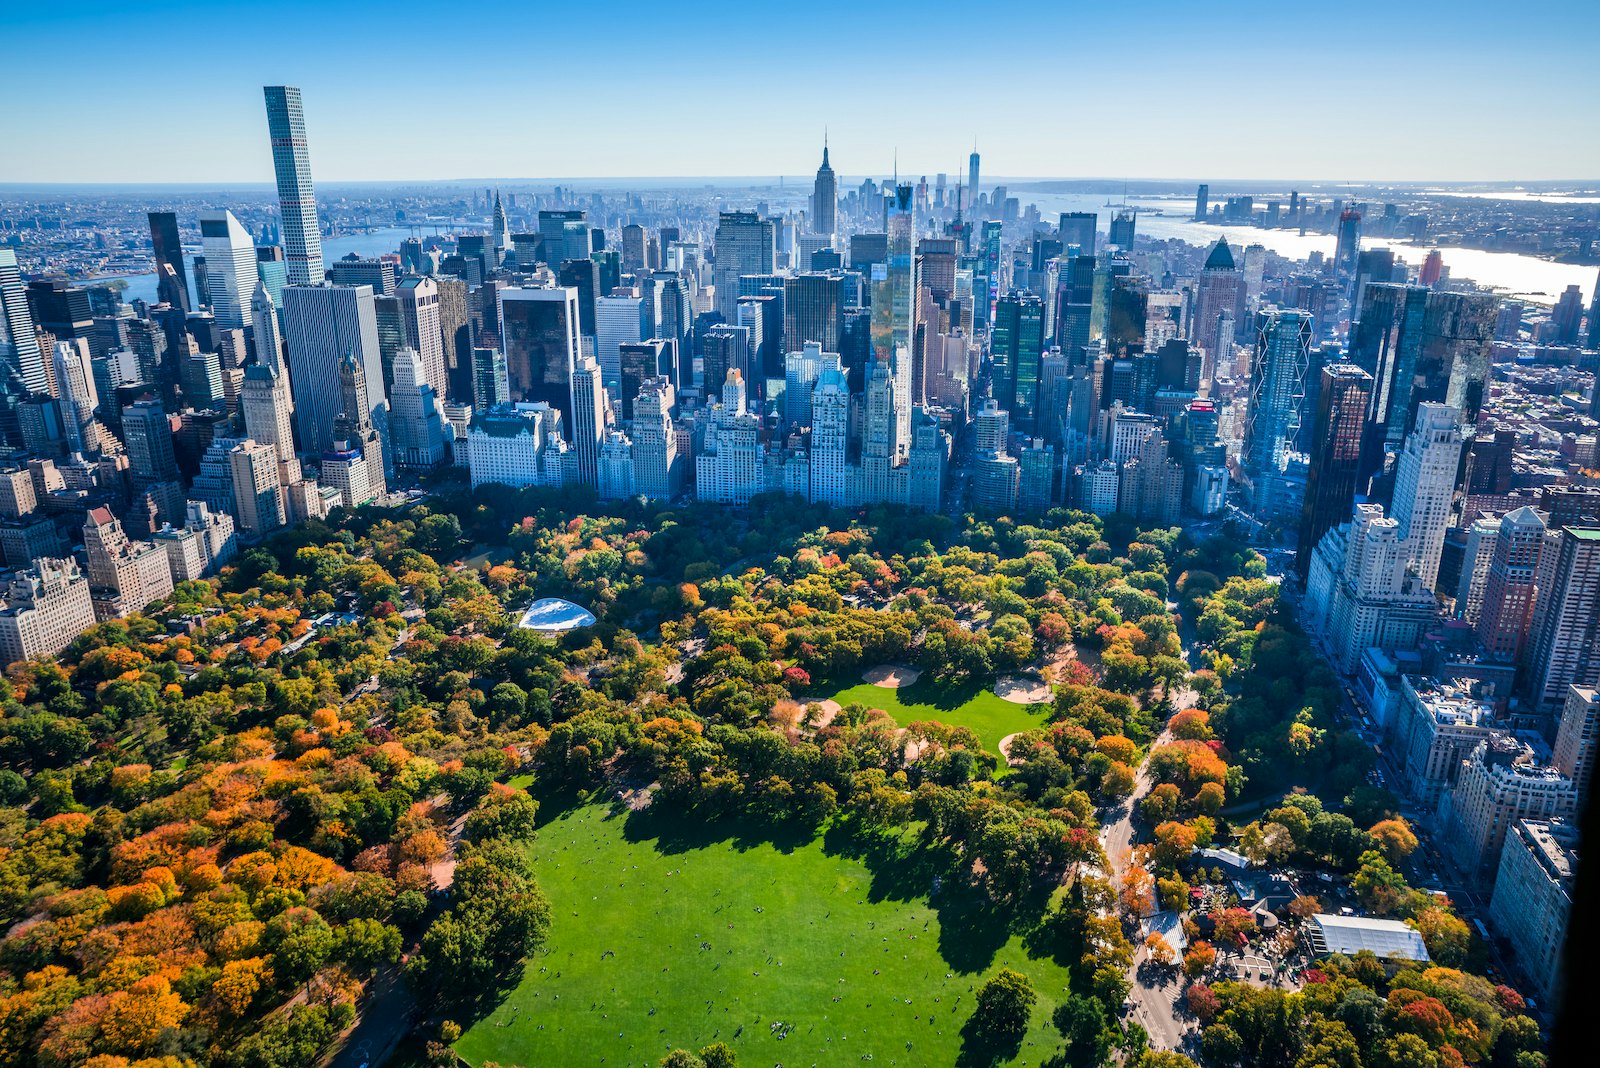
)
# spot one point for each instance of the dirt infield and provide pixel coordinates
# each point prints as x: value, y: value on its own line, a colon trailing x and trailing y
x: 1022, y: 689
x: 891, y: 676
x: 826, y: 710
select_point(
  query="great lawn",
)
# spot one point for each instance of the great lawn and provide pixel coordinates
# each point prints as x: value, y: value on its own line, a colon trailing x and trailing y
x: 990, y: 717
x: 817, y: 951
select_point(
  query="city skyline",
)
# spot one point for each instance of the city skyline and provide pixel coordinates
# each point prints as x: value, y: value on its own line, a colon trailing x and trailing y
x: 582, y: 121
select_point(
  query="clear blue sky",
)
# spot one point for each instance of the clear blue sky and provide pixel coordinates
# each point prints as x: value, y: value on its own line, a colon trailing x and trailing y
x: 170, y: 90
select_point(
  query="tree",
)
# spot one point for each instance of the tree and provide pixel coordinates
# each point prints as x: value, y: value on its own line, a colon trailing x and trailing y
x: 682, y: 1058
x: 1448, y: 939
x: 1395, y: 838
x: 1234, y: 925
x: 1164, y: 1058
x: 1174, y: 842
x: 719, y: 1055
x: 1404, y: 1051
x: 1135, y: 892
x: 1198, y: 958
x: 1159, y: 949
x: 503, y: 813
x: 1082, y: 1022
x: 1304, y: 907
x: 1004, y: 1003
x: 1202, y: 1001
x: 498, y: 918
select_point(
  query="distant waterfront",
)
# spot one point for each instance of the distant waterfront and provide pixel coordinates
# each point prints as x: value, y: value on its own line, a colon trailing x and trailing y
x: 1527, y: 278
x: 386, y: 239
x: 1523, y: 277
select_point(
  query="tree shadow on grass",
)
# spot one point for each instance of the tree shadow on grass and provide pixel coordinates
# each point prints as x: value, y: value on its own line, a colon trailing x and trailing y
x: 982, y: 1046
x: 973, y: 927
x: 672, y: 831
x: 928, y: 691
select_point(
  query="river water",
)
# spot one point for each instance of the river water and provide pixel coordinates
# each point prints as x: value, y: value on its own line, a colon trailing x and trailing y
x: 387, y: 239
x: 1527, y: 278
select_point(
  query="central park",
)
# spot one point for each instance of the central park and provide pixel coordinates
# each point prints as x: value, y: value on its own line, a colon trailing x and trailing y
x: 497, y: 779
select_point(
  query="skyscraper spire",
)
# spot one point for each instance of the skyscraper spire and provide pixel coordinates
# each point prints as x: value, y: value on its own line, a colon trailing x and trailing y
x: 825, y: 195
x: 501, y: 230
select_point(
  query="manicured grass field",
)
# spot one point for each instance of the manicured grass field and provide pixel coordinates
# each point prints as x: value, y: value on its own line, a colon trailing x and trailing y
x: 991, y: 717
x: 818, y: 952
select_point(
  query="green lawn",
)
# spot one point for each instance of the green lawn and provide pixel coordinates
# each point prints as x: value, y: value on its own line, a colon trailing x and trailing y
x: 991, y: 717
x: 668, y: 934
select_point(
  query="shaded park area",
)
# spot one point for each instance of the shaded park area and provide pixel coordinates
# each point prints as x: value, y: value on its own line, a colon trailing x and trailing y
x: 990, y: 716
x: 808, y: 950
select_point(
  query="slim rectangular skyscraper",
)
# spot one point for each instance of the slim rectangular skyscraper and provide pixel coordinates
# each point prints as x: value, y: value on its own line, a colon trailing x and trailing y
x: 172, y: 282
x: 302, y: 240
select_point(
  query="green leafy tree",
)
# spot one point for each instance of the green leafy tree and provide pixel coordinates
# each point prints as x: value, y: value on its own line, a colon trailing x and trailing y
x: 1005, y: 1002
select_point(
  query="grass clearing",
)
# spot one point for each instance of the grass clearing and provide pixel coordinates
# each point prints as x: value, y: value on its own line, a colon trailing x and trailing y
x: 828, y: 950
x: 990, y: 716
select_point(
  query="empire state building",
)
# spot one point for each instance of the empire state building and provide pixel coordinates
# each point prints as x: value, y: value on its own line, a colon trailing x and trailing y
x: 825, y: 198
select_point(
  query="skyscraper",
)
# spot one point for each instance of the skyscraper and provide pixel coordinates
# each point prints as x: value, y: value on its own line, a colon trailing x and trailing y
x: 147, y: 432
x: 617, y: 321
x: 417, y: 428
x: 1122, y: 227
x: 588, y: 418
x: 297, y: 198
x: 1563, y: 647
x: 230, y: 268
x: 1078, y: 228
x: 1578, y: 738
x: 1336, y: 446
x: 75, y: 388
x: 419, y: 320
x: 19, y: 343
x: 897, y: 287
x: 972, y: 181
x: 257, y: 494
x: 322, y: 325
x: 1419, y: 345
x: 1277, y: 397
x: 825, y: 198
x: 354, y: 435
x: 813, y: 310
x: 1016, y: 348
x: 268, y: 412
x: 1508, y: 591
x: 1567, y: 315
x: 268, y: 335
x: 1348, y: 246
x: 539, y: 333
x: 499, y: 230
x: 1220, y: 294
x: 1202, y: 199
x: 1425, y: 482
x: 1593, y: 340
x: 172, y: 281
x: 745, y: 244
x: 723, y: 349
x: 490, y: 384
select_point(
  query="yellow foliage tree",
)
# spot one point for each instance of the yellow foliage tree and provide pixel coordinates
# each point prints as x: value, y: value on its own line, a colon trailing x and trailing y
x: 136, y: 1018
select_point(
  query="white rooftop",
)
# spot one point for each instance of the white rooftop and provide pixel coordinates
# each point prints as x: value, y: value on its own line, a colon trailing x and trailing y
x: 1351, y: 934
x: 552, y: 615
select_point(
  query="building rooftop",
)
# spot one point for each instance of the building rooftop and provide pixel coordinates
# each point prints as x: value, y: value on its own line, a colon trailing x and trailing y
x: 1352, y: 934
x: 553, y: 615
x: 1555, y: 846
